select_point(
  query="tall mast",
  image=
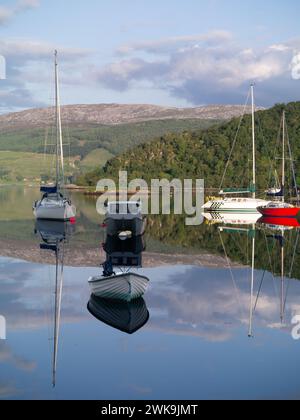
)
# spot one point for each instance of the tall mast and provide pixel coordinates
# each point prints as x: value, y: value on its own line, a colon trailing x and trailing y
x: 283, y: 156
x: 59, y: 142
x: 253, y: 142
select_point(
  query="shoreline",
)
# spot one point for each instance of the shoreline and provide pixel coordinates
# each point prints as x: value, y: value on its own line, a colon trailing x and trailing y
x: 89, y: 256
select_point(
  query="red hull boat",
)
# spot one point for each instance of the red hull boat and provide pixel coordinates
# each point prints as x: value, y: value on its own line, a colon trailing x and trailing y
x: 279, y: 211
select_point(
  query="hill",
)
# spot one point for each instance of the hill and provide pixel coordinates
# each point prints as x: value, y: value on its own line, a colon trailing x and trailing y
x: 204, y: 154
x: 93, y: 134
x: 114, y: 114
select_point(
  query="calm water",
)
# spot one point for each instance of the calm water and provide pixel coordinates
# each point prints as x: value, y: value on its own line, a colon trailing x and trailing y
x: 195, y: 344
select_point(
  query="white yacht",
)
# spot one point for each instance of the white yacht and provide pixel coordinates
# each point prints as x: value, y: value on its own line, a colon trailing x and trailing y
x: 53, y: 204
x: 234, y: 200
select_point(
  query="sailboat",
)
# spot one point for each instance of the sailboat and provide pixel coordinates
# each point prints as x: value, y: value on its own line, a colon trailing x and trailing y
x: 279, y: 208
x: 53, y: 204
x: 234, y: 201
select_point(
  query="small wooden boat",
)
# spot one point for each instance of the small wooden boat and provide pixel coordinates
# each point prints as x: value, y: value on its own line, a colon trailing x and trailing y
x: 123, y: 316
x: 124, y: 286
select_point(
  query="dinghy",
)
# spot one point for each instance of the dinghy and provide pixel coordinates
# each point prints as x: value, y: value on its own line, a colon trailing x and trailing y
x: 123, y: 286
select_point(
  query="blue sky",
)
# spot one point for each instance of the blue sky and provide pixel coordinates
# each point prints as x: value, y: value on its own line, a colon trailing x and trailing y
x: 167, y: 52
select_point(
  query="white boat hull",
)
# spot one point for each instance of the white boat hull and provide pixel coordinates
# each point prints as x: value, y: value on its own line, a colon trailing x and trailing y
x: 235, y: 205
x: 54, y: 210
x: 124, y: 287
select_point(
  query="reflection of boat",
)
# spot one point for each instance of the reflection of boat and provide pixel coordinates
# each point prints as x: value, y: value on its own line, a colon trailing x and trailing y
x: 53, y: 205
x: 238, y: 203
x: 125, y: 253
x: 288, y: 222
x: 126, y: 317
x: 124, y: 216
x: 54, y: 237
x: 232, y: 219
x: 123, y: 286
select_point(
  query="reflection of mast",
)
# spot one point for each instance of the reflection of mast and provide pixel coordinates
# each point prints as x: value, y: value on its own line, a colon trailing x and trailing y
x: 250, y: 334
x: 58, y: 298
x: 282, y: 279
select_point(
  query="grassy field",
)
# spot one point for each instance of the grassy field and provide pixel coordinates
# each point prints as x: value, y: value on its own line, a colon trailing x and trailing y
x: 97, y: 157
x: 90, y: 147
x: 19, y: 167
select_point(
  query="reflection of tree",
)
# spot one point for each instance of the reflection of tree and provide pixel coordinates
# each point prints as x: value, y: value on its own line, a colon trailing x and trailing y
x: 170, y: 231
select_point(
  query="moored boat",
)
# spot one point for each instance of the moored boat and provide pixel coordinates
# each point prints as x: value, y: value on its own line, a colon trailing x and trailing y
x: 235, y: 200
x: 124, y: 286
x: 279, y: 208
x: 53, y: 204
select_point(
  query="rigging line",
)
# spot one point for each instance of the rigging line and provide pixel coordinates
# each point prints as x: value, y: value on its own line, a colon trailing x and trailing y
x: 235, y: 140
x: 259, y: 290
x: 291, y: 270
x: 272, y: 169
x: 237, y: 294
x: 293, y: 166
x: 271, y: 266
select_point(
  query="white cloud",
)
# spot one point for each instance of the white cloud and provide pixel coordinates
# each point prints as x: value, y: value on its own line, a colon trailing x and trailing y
x: 201, y: 68
x: 8, y: 13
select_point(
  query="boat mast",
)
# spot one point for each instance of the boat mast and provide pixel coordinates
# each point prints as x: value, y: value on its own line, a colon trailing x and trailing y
x: 253, y: 142
x: 283, y: 156
x: 59, y: 143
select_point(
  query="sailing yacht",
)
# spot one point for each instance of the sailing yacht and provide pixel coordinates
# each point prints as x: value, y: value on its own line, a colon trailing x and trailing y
x: 54, y: 205
x: 238, y: 203
x: 279, y: 208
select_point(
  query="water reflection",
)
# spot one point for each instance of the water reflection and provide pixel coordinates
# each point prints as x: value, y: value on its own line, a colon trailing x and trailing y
x: 117, y: 296
x: 55, y: 236
x: 128, y: 317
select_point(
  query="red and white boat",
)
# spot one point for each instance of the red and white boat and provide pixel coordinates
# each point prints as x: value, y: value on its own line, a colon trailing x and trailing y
x: 279, y: 209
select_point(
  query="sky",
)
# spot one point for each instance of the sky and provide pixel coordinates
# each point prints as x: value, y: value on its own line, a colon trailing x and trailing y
x: 164, y: 52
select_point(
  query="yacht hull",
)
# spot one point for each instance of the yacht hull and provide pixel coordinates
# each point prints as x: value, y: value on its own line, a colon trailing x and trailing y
x: 234, y: 205
x: 60, y: 211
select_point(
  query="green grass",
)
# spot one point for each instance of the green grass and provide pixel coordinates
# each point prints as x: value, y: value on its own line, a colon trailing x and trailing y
x: 96, y: 158
x: 18, y: 167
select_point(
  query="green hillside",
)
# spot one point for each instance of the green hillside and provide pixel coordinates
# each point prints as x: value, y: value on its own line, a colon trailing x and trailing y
x: 204, y: 154
x: 88, y: 146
